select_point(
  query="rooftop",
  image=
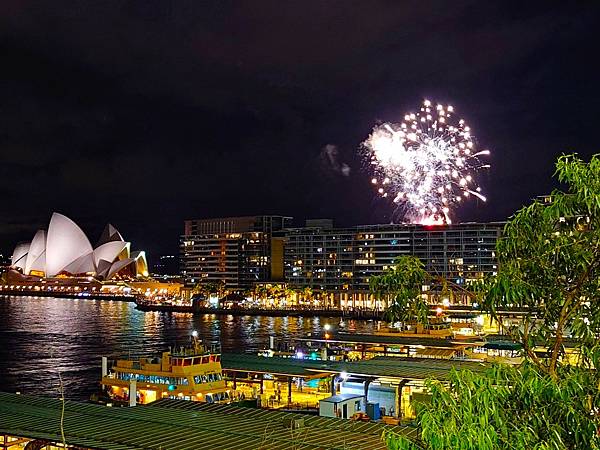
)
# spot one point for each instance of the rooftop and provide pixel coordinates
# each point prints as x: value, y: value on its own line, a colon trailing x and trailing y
x: 390, y: 339
x: 388, y: 367
x: 340, y: 398
x: 182, y: 425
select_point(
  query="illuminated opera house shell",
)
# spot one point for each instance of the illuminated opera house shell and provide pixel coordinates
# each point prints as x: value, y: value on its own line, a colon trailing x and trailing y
x: 65, y: 250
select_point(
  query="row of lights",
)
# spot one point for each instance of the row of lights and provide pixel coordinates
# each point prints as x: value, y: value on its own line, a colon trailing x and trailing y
x: 55, y: 288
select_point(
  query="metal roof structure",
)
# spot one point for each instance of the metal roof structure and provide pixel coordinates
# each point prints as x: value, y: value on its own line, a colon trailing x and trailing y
x: 407, y: 368
x: 306, y: 368
x: 390, y: 339
x: 441, y: 353
x: 182, y: 425
x: 388, y: 367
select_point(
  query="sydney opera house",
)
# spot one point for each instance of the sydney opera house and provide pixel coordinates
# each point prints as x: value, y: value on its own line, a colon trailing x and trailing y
x: 63, y: 250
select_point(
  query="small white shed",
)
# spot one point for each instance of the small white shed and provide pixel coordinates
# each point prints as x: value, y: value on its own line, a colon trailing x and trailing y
x: 342, y: 405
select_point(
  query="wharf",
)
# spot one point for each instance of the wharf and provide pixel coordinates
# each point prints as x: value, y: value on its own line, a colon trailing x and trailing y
x: 399, y: 368
x: 68, y: 295
x: 286, y: 312
x: 179, y: 424
x: 388, y: 339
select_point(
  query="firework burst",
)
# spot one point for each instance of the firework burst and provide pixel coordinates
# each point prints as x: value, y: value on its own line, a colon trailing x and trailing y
x: 426, y: 164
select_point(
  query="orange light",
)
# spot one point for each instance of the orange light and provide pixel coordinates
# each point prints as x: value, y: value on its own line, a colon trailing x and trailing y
x: 327, y: 336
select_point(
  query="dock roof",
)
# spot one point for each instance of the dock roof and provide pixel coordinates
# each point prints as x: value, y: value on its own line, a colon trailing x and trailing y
x: 181, y: 425
x: 340, y: 398
x: 241, y: 362
x: 391, y: 340
x: 388, y: 367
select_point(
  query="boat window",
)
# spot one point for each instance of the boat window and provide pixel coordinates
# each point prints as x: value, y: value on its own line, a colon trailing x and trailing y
x: 197, y: 379
x: 217, y: 358
x: 204, y: 380
x: 212, y: 358
x: 197, y: 361
x: 187, y: 362
x: 204, y: 359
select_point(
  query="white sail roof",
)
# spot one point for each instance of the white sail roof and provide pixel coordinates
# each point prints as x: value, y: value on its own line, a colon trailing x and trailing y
x: 82, y: 265
x: 19, y: 255
x: 109, y: 251
x: 119, y: 265
x: 39, y: 264
x: 36, y: 249
x: 66, y: 243
x: 109, y: 234
x: 103, y: 267
x: 65, y: 248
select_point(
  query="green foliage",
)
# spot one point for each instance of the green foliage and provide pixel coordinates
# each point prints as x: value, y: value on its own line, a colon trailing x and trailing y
x: 210, y: 288
x: 401, y: 285
x: 508, y: 408
x: 307, y: 293
x: 549, y: 260
x: 548, y: 264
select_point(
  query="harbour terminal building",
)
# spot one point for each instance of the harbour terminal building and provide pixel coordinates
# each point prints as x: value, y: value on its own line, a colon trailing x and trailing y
x: 336, y: 263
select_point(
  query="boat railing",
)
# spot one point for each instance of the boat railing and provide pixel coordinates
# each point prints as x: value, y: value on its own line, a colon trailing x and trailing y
x: 197, y: 350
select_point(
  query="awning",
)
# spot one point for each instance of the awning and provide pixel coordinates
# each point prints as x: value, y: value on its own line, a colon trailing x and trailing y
x: 443, y: 353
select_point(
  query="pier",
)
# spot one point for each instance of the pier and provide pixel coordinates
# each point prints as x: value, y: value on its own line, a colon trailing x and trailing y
x: 178, y: 424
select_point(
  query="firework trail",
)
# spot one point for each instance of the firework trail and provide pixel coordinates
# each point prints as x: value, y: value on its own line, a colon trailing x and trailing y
x: 426, y: 164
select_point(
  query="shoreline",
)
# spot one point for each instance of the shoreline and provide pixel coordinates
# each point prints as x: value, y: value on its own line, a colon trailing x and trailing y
x: 68, y: 295
x: 358, y: 315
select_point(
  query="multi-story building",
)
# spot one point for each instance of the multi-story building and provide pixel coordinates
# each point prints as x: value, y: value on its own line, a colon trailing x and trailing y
x: 339, y: 262
x: 236, y: 251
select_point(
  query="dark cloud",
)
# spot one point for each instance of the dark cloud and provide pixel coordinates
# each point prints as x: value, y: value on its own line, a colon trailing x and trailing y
x: 143, y: 113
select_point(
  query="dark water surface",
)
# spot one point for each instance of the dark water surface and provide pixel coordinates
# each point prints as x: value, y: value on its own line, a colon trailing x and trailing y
x: 40, y: 337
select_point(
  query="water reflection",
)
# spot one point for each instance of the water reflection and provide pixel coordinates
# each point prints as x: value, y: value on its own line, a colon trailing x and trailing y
x: 42, y: 336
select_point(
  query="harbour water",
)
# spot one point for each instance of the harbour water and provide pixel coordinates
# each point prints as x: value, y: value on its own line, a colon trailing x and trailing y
x: 42, y: 338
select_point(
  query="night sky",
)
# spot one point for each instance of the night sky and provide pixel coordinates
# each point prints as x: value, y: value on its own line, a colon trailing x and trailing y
x: 145, y: 113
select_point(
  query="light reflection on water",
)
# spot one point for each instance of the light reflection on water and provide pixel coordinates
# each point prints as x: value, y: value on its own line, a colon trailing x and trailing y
x: 41, y: 336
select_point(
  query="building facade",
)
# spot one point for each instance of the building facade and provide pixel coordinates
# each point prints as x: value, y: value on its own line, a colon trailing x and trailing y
x: 338, y: 262
x: 235, y: 251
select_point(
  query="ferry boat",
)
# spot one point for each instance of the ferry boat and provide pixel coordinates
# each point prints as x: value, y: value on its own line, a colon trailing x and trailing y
x: 188, y: 373
x: 436, y: 328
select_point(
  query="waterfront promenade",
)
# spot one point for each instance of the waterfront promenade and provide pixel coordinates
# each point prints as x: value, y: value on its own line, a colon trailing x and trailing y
x: 302, y: 311
x: 356, y: 313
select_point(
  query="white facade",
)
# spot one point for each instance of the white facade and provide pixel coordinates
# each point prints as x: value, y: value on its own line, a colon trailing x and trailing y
x: 65, y: 249
x: 342, y: 406
x: 19, y: 256
x: 36, y: 257
x: 66, y: 243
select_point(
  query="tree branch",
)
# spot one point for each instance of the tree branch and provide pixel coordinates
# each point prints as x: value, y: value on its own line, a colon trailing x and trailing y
x: 566, y: 311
